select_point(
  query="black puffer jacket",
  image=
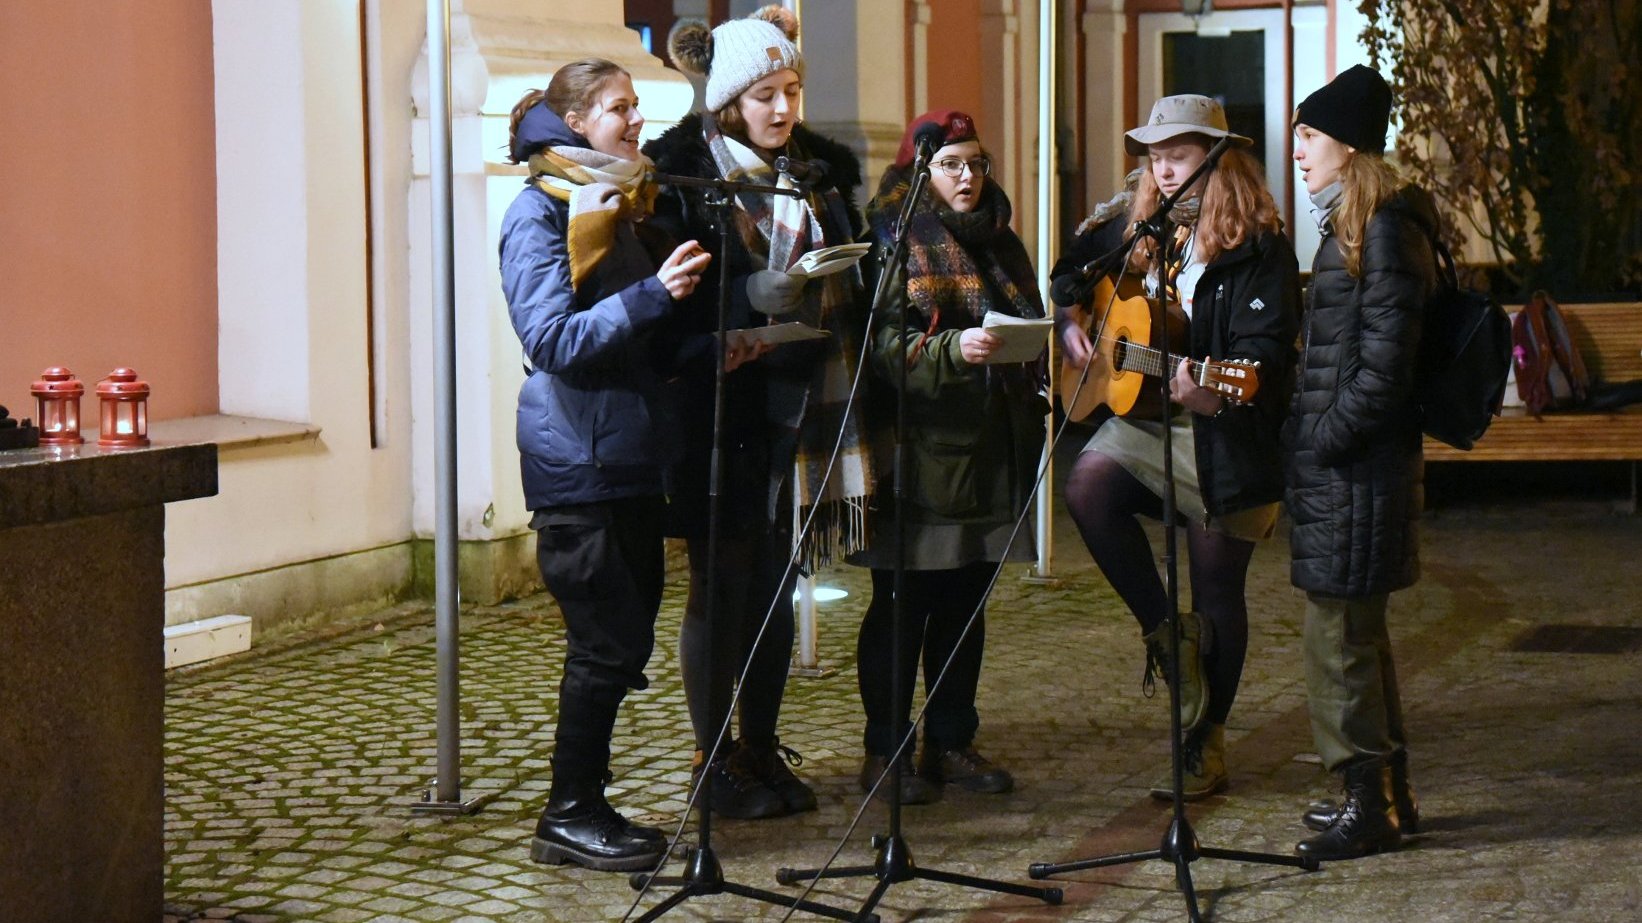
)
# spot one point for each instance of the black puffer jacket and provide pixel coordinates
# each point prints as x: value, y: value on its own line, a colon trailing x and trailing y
x: 756, y: 457
x: 1247, y: 306
x: 1353, y: 436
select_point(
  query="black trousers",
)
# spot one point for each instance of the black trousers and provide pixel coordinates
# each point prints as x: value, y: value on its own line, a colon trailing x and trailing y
x: 605, y: 564
x: 937, y: 606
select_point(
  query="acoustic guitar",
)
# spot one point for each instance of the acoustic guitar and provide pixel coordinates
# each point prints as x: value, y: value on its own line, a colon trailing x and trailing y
x: 1125, y: 366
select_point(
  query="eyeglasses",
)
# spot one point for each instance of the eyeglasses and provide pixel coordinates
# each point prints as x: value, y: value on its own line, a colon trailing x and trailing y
x: 954, y: 167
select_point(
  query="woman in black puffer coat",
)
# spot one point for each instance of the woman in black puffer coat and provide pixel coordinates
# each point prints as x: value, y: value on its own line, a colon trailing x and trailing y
x: 1354, y: 456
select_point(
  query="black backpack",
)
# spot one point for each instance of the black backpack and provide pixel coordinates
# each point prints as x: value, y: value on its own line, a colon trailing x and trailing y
x: 1465, y: 356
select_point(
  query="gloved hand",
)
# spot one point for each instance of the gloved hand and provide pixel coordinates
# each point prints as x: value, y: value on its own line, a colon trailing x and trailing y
x: 770, y: 291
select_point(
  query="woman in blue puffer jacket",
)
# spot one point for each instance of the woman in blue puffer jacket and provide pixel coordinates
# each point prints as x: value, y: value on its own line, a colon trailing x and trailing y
x: 586, y: 301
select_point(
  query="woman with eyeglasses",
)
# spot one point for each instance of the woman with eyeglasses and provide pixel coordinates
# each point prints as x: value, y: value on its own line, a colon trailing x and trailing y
x: 973, y: 436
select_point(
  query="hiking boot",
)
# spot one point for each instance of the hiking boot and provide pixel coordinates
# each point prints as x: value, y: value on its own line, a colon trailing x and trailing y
x: 915, y: 789
x: 966, y: 768
x: 1203, y: 755
x: 769, y: 764
x: 1194, y: 695
x: 737, y: 793
x: 579, y: 826
x: 1367, y: 820
x: 1321, y: 813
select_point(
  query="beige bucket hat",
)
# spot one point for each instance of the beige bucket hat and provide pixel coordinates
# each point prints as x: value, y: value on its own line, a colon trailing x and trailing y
x: 1178, y: 115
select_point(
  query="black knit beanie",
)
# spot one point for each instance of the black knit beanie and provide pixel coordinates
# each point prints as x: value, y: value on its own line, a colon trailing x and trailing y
x: 1355, y: 107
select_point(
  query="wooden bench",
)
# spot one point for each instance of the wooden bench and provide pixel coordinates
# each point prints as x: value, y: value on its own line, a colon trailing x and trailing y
x: 1610, y: 337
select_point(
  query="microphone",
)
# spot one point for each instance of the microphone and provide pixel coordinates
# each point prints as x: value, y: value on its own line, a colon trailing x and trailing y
x: 927, y: 140
x: 806, y: 173
x: 1071, y: 288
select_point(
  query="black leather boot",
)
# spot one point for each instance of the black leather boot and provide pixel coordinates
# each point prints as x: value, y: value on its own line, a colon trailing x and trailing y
x: 1321, y: 813
x: 1367, y: 820
x: 579, y: 826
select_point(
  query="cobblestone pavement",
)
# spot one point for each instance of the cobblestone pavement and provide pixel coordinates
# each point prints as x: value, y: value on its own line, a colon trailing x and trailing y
x: 289, y: 769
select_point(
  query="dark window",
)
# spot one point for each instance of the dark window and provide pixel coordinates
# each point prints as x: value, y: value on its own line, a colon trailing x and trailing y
x: 1230, y: 68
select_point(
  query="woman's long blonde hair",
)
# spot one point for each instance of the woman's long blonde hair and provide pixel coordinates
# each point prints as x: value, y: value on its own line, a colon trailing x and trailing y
x: 1236, y: 206
x: 1367, y: 182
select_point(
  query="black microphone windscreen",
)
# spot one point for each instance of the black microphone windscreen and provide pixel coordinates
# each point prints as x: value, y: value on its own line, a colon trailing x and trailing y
x: 801, y: 170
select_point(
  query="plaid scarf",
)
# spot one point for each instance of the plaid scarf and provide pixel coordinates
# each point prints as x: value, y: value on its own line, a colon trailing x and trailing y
x: 602, y: 191
x: 962, y: 263
x: 821, y: 416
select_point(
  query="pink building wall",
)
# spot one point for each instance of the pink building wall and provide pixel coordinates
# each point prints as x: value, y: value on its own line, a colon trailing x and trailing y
x: 108, y: 198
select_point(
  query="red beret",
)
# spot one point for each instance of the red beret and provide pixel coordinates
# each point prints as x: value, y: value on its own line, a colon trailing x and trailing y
x: 955, y: 127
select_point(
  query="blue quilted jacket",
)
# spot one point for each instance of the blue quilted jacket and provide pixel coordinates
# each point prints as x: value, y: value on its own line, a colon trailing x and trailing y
x: 588, y: 424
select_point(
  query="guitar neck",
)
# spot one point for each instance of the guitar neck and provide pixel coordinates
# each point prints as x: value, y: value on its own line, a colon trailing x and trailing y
x: 1148, y: 360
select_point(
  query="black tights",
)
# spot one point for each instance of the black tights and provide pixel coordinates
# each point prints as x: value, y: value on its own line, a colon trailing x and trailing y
x: 749, y: 578
x: 1105, y: 500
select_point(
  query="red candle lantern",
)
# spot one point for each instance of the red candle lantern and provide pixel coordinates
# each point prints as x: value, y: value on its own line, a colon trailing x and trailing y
x: 57, y: 404
x: 124, y: 400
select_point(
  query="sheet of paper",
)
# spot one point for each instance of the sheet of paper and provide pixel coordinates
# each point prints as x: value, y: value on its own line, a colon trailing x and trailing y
x: 777, y: 334
x: 828, y: 260
x: 1023, y: 337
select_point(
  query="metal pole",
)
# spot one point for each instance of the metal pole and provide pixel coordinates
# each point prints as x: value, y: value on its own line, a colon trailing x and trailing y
x: 1048, y: 223
x: 446, y: 795
x: 807, y: 661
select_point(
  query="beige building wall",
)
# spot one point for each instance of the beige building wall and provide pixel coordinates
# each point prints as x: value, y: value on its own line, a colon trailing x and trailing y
x: 326, y: 300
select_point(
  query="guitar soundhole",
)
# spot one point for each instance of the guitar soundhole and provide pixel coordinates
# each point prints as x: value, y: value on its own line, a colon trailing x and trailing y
x: 1120, y: 351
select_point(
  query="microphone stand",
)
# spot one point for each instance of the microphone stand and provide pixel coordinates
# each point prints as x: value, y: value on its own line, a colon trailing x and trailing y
x: 1179, y: 846
x: 893, y: 862
x: 703, y: 875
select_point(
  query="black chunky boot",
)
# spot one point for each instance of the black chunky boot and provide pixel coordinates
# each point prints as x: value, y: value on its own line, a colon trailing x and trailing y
x: 738, y: 793
x: 768, y: 762
x: 1321, y: 813
x: 579, y: 826
x: 1366, y: 822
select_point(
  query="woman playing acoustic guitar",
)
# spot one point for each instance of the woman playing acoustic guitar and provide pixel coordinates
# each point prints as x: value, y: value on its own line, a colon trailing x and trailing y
x: 1232, y: 273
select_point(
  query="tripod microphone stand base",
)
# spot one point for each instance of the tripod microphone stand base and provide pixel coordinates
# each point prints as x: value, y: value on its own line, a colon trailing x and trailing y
x: 704, y: 876
x: 894, y: 865
x: 1179, y: 848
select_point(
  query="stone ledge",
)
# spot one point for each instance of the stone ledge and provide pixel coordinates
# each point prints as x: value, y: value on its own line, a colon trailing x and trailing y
x: 228, y: 431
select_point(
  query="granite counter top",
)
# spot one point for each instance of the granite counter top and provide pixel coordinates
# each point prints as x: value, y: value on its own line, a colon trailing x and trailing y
x: 54, y: 483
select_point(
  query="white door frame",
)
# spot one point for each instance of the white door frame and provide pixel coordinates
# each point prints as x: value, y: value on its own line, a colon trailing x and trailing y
x: 1310, y: 38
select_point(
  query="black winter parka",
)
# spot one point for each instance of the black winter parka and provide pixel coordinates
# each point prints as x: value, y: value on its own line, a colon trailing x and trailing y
x: 757, y: 457
x: 1355, y: 466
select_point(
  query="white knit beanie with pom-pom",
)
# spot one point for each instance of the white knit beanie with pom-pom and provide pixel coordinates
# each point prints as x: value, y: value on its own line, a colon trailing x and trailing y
x: 738, y: 53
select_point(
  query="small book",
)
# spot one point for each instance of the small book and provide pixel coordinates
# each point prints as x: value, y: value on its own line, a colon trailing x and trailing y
x: 828, y: 260
x: 1024, y: 338
x: 777, y: 334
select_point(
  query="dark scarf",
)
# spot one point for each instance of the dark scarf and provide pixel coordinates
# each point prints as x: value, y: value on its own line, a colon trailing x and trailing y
x: 962, y: 264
